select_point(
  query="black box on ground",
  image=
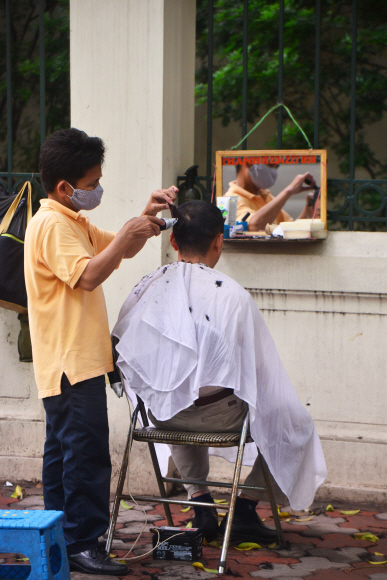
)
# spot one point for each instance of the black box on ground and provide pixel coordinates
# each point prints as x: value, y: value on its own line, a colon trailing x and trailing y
x: 186, y: 544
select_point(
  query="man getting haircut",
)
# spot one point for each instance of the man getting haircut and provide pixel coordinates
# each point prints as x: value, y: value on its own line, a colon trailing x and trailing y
x: 193, y: 345
x: 66, y: 260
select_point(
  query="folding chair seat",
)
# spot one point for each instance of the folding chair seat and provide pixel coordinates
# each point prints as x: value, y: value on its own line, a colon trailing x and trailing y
x: 152, y: 435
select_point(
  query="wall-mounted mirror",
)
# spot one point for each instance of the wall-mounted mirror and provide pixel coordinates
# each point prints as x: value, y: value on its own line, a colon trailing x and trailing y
x: 274, y: 186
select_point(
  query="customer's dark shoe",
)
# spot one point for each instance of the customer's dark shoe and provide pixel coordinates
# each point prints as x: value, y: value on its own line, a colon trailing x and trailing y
x: 96, y: 561
x: 247, y: 526
x: 206, y: 519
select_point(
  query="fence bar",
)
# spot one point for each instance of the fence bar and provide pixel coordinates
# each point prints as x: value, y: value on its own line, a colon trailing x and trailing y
x: 353, y: 105
x: 280, y: 71
x: 42, y: 77
x: 209, y: 84
x: 317, y: 75
x: 245, y: 71
x: 9, y: 91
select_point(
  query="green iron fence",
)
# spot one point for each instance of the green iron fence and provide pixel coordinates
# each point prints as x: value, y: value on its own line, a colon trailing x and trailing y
x: 346, y: 197
x: 11, y: 180
x: 349, y: 194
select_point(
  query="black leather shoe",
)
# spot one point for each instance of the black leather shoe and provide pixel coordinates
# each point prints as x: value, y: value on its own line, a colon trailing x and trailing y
x: 206, y: 519
x: 247, y: 526
x: 96, y: 561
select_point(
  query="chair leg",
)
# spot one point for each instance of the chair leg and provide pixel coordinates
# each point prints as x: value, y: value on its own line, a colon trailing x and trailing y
x: 120, y: 485
x: 156, y: 467
x: 273, y: 504
x: 234, y: 491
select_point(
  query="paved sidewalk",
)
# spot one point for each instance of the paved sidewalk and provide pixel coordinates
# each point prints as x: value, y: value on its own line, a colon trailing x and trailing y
x: 319, y: 547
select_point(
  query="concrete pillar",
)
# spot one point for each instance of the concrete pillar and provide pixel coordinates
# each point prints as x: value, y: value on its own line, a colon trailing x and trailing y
x: 132, y: 84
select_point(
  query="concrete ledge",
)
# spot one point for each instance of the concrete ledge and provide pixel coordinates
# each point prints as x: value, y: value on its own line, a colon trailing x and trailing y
x: 21, y: 438
x: 368, y: 495
x: 16, y: 469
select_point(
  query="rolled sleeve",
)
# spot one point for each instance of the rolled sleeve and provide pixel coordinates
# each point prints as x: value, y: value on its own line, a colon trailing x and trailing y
x: 64, y: 254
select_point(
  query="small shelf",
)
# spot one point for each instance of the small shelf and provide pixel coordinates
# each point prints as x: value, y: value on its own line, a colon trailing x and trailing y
x: 270, y: 240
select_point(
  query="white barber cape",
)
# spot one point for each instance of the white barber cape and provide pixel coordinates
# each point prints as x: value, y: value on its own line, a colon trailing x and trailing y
x: 186, y: 326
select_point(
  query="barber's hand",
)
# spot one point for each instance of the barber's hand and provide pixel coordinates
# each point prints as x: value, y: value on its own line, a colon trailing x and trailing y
x: 298, y: 184
x: 159, y: 200
x: 142, y: 227
x: 309, y: 198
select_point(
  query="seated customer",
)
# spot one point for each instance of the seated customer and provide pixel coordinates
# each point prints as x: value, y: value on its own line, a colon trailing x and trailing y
x: 252, y: 188
x: 193, y: 345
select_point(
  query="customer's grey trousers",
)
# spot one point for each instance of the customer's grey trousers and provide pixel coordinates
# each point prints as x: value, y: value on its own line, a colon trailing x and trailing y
x: 192, y: 461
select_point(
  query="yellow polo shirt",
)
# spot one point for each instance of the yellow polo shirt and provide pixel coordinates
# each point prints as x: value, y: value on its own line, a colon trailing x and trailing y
x: 69, y: 326
x: 248, y: 202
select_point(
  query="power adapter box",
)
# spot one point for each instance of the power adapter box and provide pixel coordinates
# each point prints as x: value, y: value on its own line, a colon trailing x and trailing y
x: 186, y: 544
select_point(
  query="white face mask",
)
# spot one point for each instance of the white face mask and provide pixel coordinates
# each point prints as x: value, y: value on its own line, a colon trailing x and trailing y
x: 86, y: 199
x: 262, y: 176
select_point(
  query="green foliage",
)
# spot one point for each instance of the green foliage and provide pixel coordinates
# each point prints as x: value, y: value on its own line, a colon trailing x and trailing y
x: 299, y: 69
x: 25, y: 79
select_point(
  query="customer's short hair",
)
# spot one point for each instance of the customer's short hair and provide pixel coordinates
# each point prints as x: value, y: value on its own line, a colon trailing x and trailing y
x: 203, y: 221
x: 68, y: 154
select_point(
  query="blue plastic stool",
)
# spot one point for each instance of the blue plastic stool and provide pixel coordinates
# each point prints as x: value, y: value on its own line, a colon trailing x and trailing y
x: 39, y: 536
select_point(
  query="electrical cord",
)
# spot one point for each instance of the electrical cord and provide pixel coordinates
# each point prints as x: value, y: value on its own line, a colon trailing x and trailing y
x: 158, y: 543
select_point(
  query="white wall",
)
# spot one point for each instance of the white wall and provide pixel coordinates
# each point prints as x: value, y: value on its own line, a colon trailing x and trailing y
x: 132, y: 84
x: 325, y: 305
x: 22, y: 427
x: 132, y: 80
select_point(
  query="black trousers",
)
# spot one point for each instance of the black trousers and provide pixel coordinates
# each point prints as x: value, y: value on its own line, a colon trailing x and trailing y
x: 76, y: 461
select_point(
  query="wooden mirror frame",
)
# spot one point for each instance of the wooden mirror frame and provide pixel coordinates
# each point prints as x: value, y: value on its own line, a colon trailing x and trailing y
x: 280, y: 157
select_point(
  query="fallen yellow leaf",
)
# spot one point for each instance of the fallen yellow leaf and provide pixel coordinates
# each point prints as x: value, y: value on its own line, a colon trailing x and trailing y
x: 349, y: 513
x: 221, y: 501
x: 303, y: 519
x: 370, y: 562
x: 248, y: 546
x: 284, y: 514
x: 221, y: 515
x: 125, y: 505
x: 189, y: 525
x: 185, y: 510
x: 366, y: 536
x: 215, y: 544
x: 273, y: 545
x: 113, y: 555
x: 22, y: 559
x: 330, y: 508
x: 200, y: 565
x: 18, y: 492
x: 378, y: 554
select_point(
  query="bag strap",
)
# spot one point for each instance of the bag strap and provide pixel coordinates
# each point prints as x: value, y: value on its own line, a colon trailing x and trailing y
x: 14, y: 205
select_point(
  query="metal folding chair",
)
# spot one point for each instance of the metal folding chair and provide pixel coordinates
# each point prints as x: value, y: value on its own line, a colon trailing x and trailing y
x: 152, y: 435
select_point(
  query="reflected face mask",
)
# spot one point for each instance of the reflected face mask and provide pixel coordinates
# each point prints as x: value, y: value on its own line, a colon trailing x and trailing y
x: 86, y: 199
x: 262, y: 176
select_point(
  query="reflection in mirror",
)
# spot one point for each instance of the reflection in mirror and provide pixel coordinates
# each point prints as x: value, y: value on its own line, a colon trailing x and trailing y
x: 274, y: 186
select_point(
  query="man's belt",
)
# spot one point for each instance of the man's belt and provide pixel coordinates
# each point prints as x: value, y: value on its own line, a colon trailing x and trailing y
x: 201, y: 401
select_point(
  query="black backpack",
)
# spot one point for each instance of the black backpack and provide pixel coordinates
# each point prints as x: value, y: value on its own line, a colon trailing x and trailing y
x: 15, y: 214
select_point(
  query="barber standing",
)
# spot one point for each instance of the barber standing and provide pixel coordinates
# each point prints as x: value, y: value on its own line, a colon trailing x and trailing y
x: 66, y: 260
